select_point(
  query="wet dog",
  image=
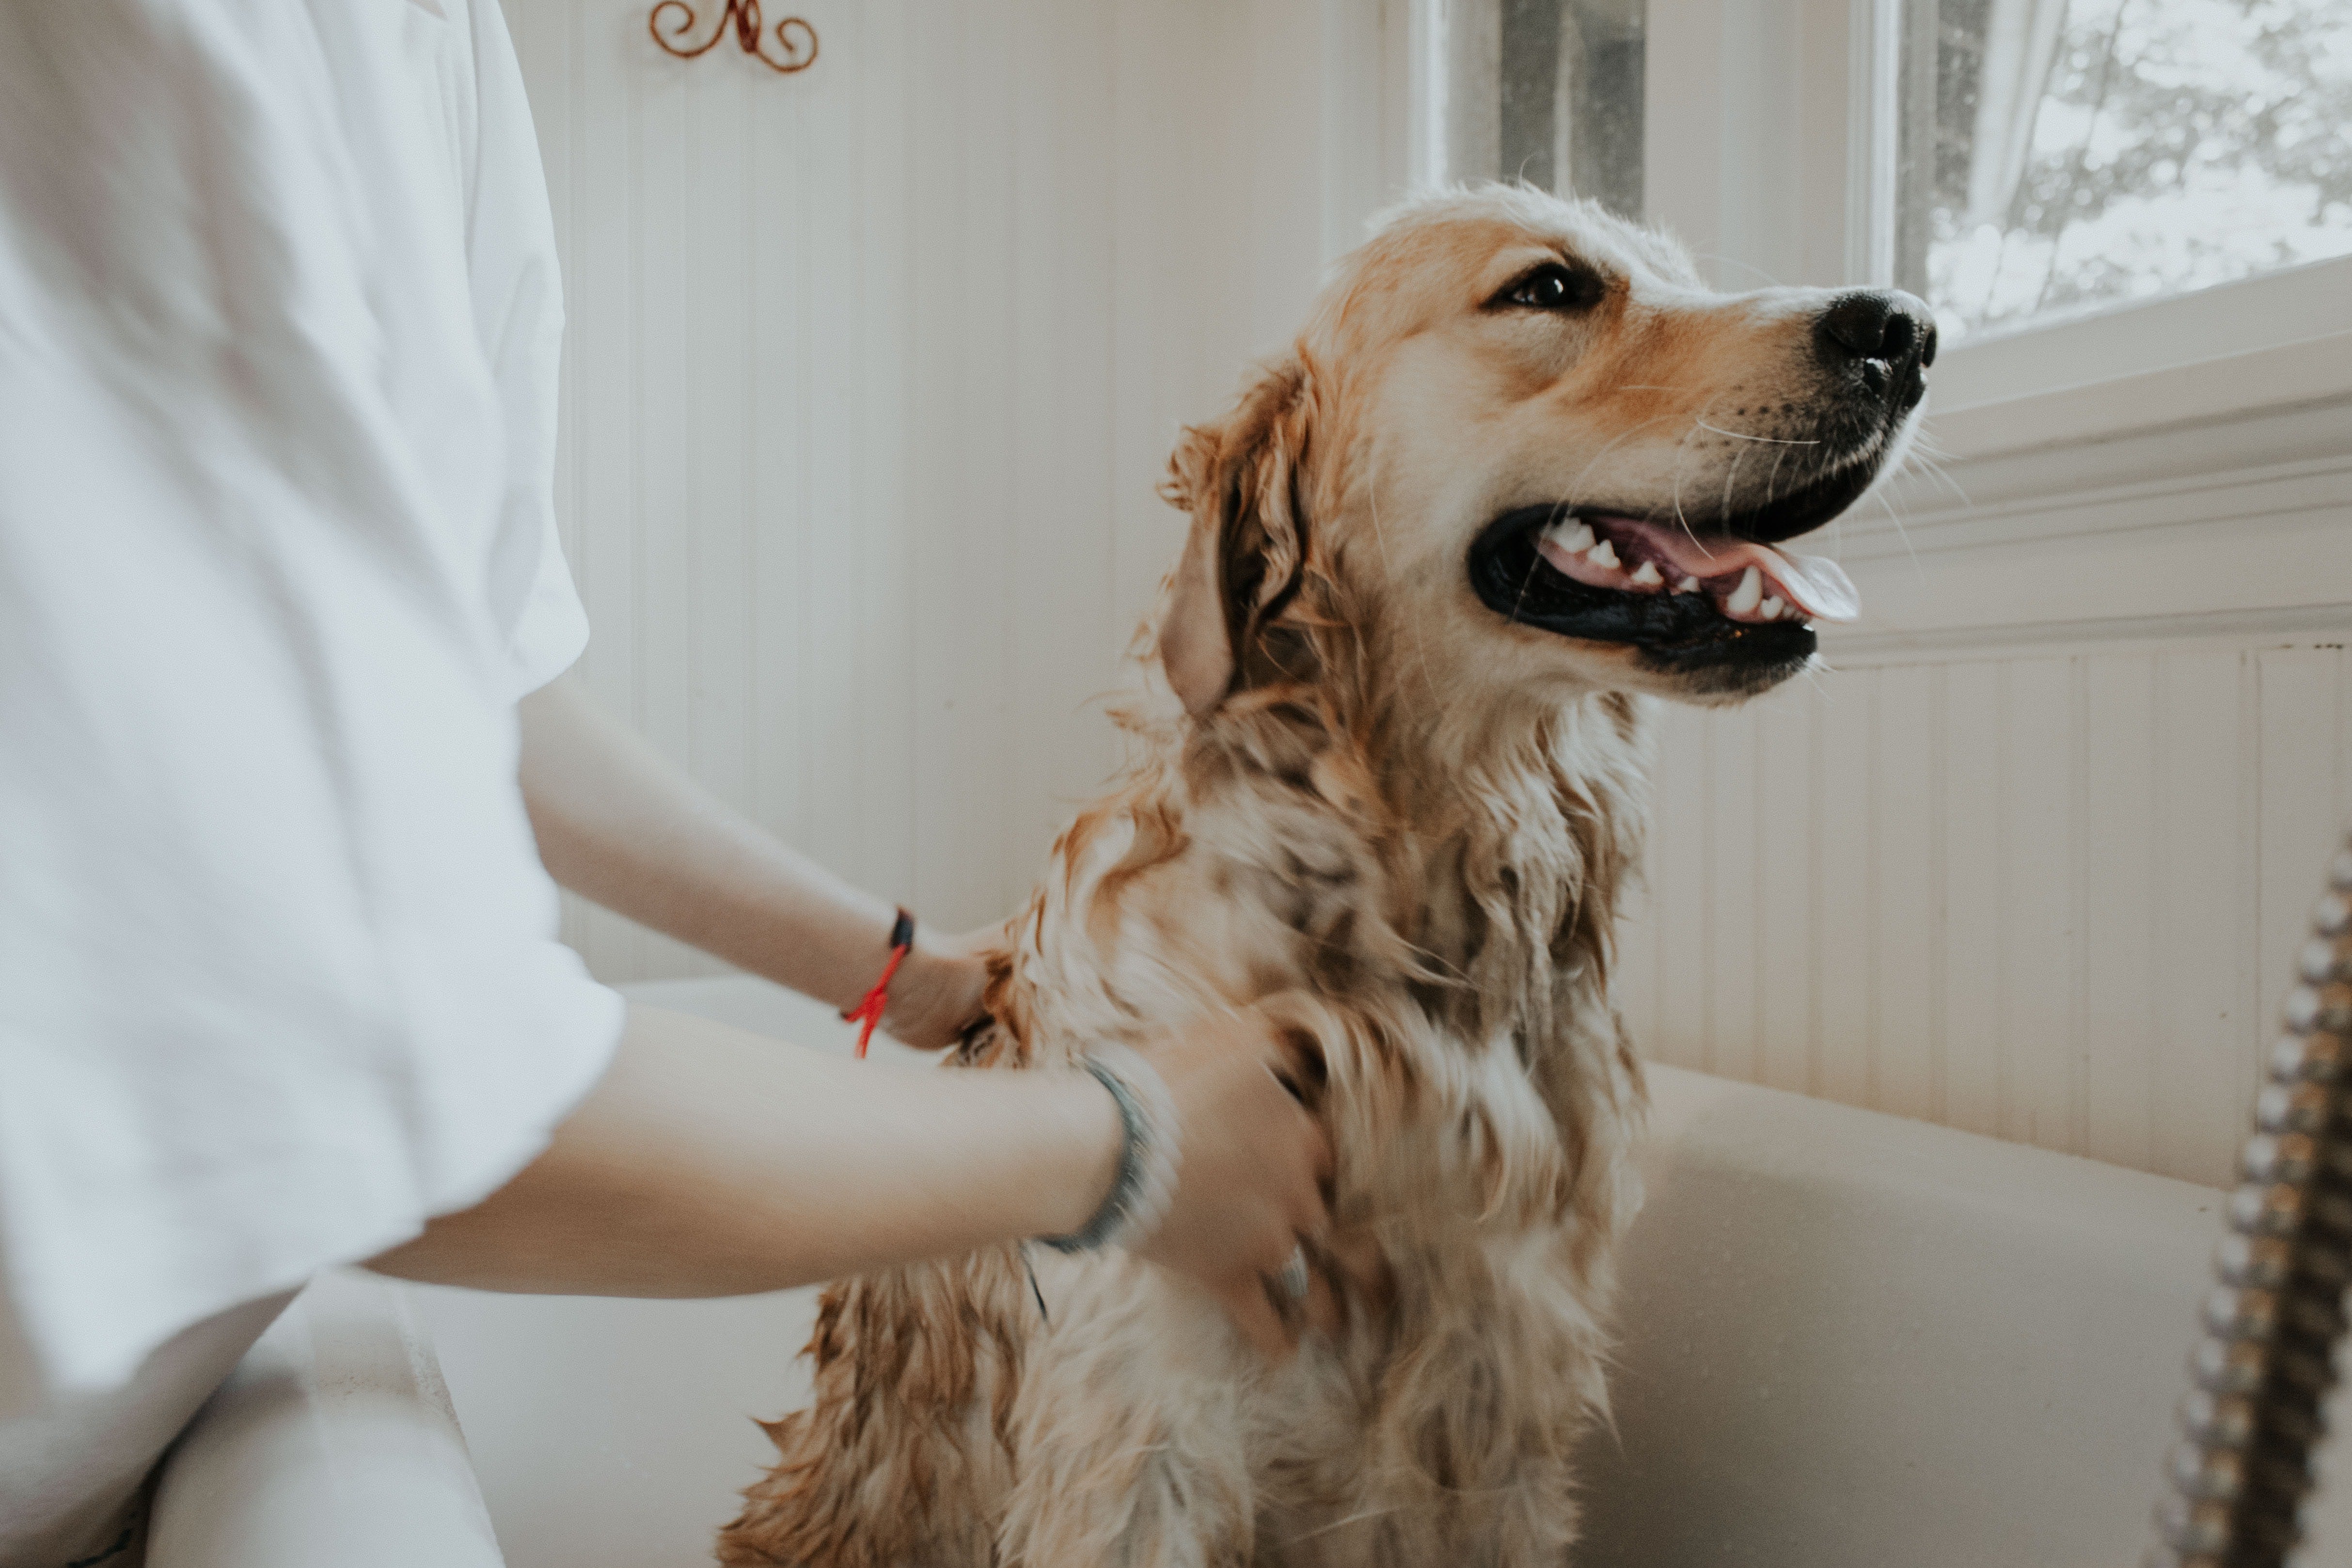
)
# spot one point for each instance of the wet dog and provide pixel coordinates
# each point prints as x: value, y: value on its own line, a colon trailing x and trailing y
x: 1521, y: 473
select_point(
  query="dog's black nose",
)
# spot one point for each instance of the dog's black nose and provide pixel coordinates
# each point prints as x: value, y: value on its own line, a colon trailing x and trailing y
x: 1887, y: 336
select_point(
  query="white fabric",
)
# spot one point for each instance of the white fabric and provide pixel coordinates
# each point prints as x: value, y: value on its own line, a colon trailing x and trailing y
x: 278, y: 976
x: 2021, y: 44
x: 71, y: 1478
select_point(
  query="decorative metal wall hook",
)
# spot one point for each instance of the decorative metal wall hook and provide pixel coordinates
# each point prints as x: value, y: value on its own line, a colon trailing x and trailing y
x: 794, y: 36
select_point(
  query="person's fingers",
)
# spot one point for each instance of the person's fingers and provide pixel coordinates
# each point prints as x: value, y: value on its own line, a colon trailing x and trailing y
x: 1255, y: 1165
x: 1245, y: 1303
x: 1306, y: 1135
x: 1302, y: 1177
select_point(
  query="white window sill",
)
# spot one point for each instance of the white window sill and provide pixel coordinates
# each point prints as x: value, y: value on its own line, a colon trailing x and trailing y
x: 2238, y: 351
x: 2228, y: 386
x: 2124, y: 476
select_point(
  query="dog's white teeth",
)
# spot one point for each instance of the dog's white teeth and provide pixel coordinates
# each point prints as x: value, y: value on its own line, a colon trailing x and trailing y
x: 1688, y: 586
x: 1748, y: 594
x: 1770, y: 608
x: 1570, y: 535
x: 1646, y: 575
x: 1603, y: 554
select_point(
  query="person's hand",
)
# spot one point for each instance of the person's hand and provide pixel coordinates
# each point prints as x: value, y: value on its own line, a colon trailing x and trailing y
x: 937, y: 991
x: 1250, y: 1176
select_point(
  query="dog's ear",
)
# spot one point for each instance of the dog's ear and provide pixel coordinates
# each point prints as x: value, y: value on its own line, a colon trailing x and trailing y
x: 1246, y: 553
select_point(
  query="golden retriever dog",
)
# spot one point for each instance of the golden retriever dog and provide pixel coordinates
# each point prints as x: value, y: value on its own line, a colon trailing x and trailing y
x: 1521, y: 472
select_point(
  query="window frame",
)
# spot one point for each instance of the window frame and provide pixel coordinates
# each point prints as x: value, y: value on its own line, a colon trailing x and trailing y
x: 1794, y: 180
x: 2105, y: 363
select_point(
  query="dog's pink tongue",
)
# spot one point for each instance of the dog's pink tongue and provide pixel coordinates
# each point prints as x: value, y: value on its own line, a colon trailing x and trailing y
x: 1815, y: 584
x: 1819, y: 584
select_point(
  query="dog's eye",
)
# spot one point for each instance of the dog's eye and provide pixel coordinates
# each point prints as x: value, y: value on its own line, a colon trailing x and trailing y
x: 1553, y: 286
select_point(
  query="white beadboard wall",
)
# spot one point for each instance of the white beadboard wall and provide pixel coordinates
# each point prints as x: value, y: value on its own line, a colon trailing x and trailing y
x: 2033, y: 857
x: 872, y: 370
x: 2052, y: 897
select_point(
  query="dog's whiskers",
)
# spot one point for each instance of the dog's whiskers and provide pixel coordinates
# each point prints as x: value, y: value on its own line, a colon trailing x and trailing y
x: 1730, y: 481
x: 1902, y: 533
x: 1931, y: 463
x: 1905, y: 446
x: 1559, y: 510
x: 1741, y: 435
x: 1525, y: 583
x: 1577, y: 484
x: 1682, y: 448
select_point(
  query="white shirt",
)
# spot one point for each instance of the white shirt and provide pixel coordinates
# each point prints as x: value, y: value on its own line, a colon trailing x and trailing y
x: 278, y: 976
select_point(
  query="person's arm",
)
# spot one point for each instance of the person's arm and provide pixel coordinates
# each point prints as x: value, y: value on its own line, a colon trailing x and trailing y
x: 618, y: 823
x: 713, y: 1162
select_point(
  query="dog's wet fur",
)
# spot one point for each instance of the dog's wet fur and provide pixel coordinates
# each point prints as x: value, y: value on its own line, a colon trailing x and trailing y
x: 1391, y: 796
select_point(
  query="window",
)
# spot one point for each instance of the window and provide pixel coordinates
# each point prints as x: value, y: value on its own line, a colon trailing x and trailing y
x: 2087, y: 191
x: 1548, y: 91
x: 2059, y: 156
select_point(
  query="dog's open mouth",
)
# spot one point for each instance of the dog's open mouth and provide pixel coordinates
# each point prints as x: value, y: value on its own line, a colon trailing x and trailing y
x: 1685, y: 599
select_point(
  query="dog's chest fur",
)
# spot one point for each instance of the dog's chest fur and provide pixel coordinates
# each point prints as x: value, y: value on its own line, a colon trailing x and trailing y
x: 1447, y: 949
x: 1432, y: 911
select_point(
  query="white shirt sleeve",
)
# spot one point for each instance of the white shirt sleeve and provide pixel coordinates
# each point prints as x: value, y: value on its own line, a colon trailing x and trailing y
x: 518, y: 297
x: 278, y: 975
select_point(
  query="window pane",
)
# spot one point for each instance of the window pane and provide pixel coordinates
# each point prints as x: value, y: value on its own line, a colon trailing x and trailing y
x: 1548, y: 91
x: 2062, y: 155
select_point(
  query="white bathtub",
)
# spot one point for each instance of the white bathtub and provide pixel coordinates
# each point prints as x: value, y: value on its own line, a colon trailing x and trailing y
x: 1849, y: 1341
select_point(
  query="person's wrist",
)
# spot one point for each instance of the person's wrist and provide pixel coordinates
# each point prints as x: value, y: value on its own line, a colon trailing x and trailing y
x: 881, y: 967
x: 1090, y: 1128
x: 936, y: 994
x: 914, y: 991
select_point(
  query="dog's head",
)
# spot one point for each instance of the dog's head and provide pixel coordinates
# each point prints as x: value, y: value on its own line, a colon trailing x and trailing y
x: 1521, y: 445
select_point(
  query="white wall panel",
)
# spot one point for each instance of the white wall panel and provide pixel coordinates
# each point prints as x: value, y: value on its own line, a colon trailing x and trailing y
x: 872, y: 370
x: 2065, y: 793
x: 2050, y: 899
x: 2120, y: 931
x: 1788, y: 890
x: 1843, y: 793
x: 1905, y: 894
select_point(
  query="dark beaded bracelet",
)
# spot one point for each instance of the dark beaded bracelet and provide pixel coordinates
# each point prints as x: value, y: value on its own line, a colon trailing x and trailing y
x: 1140, y: 1193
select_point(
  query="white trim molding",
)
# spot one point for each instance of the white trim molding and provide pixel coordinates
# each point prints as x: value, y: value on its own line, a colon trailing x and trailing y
x: 2030, y: 854
x: 2230, y: 321
x: 2310, y: 373
x: 2221, y: 487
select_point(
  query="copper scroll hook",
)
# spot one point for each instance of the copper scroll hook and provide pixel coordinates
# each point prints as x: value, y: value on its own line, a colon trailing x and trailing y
x: 794, y: 36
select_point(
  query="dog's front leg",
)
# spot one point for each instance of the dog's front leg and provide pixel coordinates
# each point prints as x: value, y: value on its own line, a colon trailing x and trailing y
x: 902, y: 1459
x: 1130, y: 1430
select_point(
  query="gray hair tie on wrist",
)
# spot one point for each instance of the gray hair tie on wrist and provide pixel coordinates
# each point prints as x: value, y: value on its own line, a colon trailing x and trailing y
x: 1146, y: 1183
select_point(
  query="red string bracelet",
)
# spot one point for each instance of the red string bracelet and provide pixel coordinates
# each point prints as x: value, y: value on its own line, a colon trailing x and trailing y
x: 868, y: 1013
